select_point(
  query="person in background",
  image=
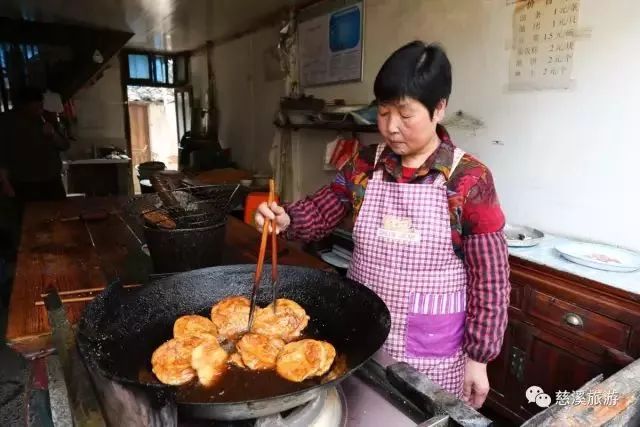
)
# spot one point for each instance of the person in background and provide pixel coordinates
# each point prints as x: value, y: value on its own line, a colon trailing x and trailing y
x: 30, y: 146
x: 428, y: 228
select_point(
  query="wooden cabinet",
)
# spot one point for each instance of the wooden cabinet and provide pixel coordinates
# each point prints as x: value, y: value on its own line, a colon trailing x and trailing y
x: 563, y: 330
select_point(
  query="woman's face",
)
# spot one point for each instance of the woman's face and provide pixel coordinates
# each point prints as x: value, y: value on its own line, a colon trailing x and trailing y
x: 407, y: 126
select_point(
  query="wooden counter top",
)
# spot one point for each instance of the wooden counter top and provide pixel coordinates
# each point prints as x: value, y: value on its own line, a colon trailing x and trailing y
x: 73, y: 255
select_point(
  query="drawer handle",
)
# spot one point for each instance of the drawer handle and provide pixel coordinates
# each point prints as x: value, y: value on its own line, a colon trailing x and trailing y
x: 573, y: 319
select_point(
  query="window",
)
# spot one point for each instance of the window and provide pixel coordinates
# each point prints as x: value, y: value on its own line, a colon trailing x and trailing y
x: 138, y: 66
x: 161, y: 69
x: 170, y: 71
x: 156, y: 69
x: 20, y: 56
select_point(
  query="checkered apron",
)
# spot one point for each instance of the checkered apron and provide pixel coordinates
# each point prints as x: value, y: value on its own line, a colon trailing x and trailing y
x: 403, y: 251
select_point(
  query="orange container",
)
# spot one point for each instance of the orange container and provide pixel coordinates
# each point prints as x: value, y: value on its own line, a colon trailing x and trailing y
x: 252, y: 202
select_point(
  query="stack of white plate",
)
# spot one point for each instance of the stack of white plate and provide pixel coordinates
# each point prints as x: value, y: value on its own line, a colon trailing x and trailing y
x: 338, y: 257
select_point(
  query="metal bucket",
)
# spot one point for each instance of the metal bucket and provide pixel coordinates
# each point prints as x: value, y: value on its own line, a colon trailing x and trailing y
x: 186, y: 249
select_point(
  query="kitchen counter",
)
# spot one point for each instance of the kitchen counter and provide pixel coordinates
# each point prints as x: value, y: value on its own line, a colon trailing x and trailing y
x: 74, y: 255
x: 98, y: 177
x: 545, y: 254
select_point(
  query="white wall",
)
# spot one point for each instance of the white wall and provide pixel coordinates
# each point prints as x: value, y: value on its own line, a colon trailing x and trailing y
x: 246, y: 100
x: 163, y: 133
x: 100, y: 113
x: 569, y: 157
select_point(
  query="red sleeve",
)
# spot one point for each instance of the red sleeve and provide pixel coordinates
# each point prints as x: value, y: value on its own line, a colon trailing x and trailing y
x: 488, y: 289
x: 319, y: 214
x: 481, y: 211
x: 315, y: 216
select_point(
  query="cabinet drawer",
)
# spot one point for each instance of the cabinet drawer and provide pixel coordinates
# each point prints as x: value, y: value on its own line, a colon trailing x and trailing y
x: 578, y: 320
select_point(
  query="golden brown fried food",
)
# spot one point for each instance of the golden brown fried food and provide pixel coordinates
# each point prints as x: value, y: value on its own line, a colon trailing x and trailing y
x: 236, y: 359
x: 171, y: 362
x: 259, y: 352
x: 230, y: 316
x: 338, y: 369
x: 158, y: 219
x: 193, y: 325
x: 305, y: 359
x: 287, y: 322
x: 209, y: 360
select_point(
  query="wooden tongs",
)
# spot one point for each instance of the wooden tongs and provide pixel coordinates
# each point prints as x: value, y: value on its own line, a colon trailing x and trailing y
x: 274, y: 259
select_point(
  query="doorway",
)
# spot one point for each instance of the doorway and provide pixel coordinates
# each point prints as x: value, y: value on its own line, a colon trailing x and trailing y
x: 156, y: 124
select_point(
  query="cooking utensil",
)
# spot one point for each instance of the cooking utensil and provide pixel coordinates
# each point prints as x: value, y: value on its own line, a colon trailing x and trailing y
x: 519, y: 236
x: 96, y: 215
x: 601, y: 257
x: 261, y: 253
x: 274, y: 267
x: 274, y: 252
x: 68, y: 300
x: 197, y: 206
x: 87, y: 290
x: 120, y: 329
x: 77, y: 295
x: 88, y: 216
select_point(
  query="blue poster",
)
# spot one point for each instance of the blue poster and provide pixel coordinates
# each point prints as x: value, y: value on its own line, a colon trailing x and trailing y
x: 344, y: 29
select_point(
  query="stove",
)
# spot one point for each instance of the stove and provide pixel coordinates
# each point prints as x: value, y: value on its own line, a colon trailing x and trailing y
x: 351, y: 404
x: 381, y: 393
x: 328, y: 409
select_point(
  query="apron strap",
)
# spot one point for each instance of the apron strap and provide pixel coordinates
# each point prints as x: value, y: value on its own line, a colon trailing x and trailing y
x: 377, y: 173
x: 458, y: 154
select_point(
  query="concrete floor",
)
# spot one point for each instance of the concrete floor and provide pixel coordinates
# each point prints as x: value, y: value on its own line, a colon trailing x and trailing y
x: 13, y: 367
x: 13, y: 378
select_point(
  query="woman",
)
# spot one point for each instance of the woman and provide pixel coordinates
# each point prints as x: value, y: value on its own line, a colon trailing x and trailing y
x: 428, y: 231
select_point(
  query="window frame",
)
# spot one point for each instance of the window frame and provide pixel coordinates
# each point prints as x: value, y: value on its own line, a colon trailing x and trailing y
x: 152, y: 57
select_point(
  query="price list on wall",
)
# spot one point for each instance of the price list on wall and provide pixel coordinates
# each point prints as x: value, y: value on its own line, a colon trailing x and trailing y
x: 544, y: 33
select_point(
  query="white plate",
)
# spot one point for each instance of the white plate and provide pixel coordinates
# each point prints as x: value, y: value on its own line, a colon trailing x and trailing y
x: 335, y: 260
x: 519, y: 236
x: 602, y: 257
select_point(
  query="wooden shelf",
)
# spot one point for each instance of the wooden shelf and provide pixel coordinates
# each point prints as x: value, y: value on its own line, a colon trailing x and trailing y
x: 343, y: 126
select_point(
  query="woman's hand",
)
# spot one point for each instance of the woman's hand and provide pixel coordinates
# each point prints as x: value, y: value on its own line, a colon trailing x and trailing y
x: 272, y: 212
x: 476, y: 383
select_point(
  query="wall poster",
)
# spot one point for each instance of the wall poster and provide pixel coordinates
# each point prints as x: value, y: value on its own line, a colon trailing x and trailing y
x: 331, y: 47
x: 544, y: 35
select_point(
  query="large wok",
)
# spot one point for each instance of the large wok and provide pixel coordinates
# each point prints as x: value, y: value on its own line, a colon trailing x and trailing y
x: 120, y: 328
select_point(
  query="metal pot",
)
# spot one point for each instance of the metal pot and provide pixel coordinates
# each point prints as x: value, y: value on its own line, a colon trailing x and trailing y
x: 186, y: 249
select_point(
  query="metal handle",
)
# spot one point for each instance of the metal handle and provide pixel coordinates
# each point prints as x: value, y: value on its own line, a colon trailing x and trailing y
x: 572, y: 319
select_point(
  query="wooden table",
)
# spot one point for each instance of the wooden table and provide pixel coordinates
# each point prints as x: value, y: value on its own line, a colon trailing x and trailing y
x: 73, y: 255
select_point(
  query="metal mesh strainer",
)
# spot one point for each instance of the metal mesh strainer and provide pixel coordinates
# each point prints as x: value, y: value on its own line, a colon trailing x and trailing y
x: 188, y: 207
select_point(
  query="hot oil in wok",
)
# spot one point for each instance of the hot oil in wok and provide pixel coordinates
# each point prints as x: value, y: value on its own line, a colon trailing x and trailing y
x: 238, y: 385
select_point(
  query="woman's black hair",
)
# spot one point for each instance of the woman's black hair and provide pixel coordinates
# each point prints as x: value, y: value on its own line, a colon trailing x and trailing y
x: 417, y: 71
